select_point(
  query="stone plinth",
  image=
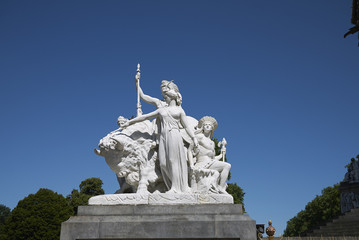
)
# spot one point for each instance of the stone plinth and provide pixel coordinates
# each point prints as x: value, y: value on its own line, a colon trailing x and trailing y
x: 349, y: 196
x: 160, y: 199
x: 208, y: 221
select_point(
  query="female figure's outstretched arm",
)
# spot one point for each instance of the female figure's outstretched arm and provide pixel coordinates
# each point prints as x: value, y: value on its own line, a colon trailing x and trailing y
x: 141, y: 118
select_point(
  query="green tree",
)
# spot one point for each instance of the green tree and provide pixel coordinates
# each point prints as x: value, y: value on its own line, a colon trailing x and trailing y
x: 5, y: 213
x: 92, y: 187
x: 37, y: 216
x: 88, y: 188
x: 237, y: 194
x: 320, y: 210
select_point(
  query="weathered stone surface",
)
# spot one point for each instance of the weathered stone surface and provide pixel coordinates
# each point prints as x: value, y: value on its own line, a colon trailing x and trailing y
x: 119, y: 199
x: 344, y: 225
x: 349, y: 196
x: 160, y: 199
x: 225, y: 221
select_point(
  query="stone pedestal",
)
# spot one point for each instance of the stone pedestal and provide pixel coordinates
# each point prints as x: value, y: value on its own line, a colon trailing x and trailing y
x: 160, y: 199
x: 349, y: 196
x: 207, y: 221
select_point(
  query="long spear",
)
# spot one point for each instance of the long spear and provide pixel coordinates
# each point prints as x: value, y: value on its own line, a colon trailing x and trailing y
x: 138, y: 75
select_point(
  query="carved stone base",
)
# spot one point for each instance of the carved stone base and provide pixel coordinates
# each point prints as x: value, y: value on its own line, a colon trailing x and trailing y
x: 349, y: 196
x: 206, y: 221
x: 160, y: 199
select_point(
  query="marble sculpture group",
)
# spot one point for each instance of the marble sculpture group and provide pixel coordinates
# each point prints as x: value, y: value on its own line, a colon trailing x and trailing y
x: 170, y: 159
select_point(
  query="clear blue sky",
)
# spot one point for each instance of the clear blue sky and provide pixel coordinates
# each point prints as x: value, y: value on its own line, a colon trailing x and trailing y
x: 277, y: 75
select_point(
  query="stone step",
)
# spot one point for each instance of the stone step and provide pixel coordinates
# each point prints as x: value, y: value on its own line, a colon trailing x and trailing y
x: 347, y: 224
x: 353, y: 211
x: 337, y: 229
x: 346, y: 219
x: 349, y: 215
x: 340, y: 229
x: 333, y: 234
x: 342, y: 223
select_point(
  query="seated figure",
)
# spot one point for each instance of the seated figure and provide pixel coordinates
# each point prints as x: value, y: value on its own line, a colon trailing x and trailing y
x: 204, y: 163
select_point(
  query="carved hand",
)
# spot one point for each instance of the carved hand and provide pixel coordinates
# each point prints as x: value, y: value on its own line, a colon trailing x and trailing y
x: 137, y: 77
x: 195, y: 142
x: 125, y: 125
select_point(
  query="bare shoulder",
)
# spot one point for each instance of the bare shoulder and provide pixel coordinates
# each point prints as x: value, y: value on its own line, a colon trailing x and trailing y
x: 159, y: 103
x: 199, y: 135
x: 181, y: 111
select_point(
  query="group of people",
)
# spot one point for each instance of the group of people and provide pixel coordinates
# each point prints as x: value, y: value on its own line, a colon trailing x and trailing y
x: 171, y: 150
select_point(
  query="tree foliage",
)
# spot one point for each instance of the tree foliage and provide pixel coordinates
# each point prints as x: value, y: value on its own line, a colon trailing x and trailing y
x: 92, y: 187
x: 237, y: 194
x: 320, y: 210
x: 5, y: 213
x: 37, y: 216
x: 88, y: 188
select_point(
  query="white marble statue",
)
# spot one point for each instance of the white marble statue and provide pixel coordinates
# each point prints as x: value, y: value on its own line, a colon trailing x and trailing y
x: 155, y: 160
x: 171, y: 152
x: 131, y: 155
x: 203, y: 158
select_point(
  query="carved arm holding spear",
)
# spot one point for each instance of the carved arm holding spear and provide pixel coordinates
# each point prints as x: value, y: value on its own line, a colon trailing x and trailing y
x: 223, y: 143
x: 140, y: 95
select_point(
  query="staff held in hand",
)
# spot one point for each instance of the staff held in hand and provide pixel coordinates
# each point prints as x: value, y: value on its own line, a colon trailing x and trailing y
x: 137, y: 79
x: 223, y: 149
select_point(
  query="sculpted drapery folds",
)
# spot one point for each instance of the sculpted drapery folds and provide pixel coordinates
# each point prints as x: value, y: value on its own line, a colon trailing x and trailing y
x: 172, y: 154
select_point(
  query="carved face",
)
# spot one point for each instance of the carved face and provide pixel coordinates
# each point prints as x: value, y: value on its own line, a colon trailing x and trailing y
x: 121, y: 121
x: 164, y: 89
x: 168, y: 93
x: 207, y: 127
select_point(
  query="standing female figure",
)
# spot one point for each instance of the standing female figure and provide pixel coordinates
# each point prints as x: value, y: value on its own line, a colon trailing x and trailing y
x: 171, y: 150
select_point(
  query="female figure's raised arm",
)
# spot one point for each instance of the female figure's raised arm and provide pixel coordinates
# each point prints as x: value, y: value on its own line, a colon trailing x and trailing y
x: 141, y: 118
x: 144, y: 97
